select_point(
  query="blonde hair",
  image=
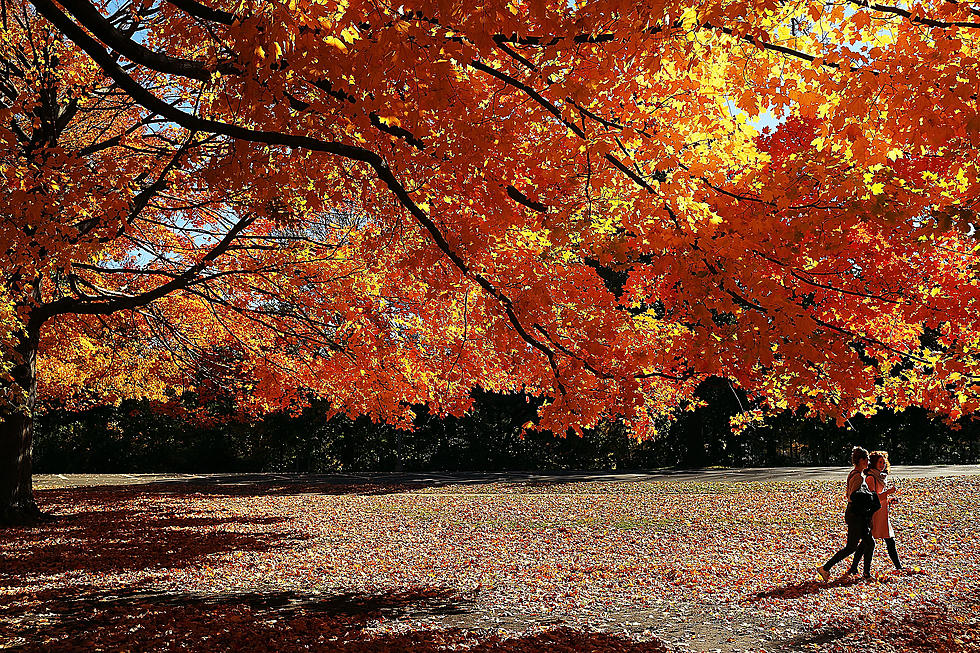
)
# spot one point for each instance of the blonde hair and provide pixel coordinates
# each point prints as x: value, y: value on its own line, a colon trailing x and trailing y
x: 875, y: 456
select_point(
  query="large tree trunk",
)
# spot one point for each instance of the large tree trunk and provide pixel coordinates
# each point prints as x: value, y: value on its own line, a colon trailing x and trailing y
x: 17, y: 504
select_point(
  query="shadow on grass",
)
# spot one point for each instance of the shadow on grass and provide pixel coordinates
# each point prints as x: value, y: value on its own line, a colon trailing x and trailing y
x: 117, y: 539
x: 266, y: 484
x: 248, y: 485
x: 273, y: 621
x: 380, y: 483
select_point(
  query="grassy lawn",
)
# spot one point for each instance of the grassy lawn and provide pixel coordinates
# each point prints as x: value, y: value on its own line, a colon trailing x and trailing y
x: 585, y: 566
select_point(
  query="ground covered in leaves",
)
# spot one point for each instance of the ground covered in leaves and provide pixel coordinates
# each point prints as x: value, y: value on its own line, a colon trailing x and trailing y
x: 585, y: 566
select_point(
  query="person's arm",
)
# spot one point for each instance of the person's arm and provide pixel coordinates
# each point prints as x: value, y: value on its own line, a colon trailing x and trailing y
x: 853, y: 483
x: 880, y: 486
x: 895, y: 491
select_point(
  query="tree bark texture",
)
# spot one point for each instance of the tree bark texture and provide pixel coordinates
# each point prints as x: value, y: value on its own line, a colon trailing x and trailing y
x: 17, y: 505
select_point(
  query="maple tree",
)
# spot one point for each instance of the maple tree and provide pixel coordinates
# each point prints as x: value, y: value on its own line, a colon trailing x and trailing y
x: 385, y: 205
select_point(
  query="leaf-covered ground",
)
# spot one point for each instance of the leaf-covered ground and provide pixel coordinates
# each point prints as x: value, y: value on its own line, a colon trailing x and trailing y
x: 586, y: 566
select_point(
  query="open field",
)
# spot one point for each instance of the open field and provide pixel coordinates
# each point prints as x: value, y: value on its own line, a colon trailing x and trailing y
x: 485, y: 565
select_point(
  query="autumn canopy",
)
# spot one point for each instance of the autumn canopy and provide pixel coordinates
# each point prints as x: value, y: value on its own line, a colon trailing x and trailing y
x: 384, y: 205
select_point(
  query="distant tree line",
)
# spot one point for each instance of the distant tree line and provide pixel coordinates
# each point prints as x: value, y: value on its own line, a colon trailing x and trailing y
x: 135, y: 436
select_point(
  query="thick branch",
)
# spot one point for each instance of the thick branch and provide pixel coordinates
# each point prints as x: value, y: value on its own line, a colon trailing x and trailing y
x: 521, y: 198
x: 86, y: 13
x: 197, y: 10
x: 398, y: 132
x: 905, y: 13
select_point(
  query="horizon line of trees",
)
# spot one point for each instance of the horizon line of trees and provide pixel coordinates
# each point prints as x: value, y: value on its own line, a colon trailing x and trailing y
x: 135, y: 436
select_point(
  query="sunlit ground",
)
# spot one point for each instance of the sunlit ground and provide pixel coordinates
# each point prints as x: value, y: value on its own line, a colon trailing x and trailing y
x: 580, y: 566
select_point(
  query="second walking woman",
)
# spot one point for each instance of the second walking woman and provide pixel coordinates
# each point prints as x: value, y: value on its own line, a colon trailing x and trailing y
x: 881, y: 526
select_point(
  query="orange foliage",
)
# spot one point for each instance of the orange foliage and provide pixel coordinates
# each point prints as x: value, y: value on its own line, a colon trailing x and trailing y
x: 385, y: 205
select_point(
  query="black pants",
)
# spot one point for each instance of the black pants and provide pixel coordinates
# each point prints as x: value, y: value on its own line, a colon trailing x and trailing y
x: 892, y: 553
x: 858, y: 539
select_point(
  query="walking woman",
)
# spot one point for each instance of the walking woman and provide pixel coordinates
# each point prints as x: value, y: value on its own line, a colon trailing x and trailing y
x: 881, y: 527
x: 856, y: 516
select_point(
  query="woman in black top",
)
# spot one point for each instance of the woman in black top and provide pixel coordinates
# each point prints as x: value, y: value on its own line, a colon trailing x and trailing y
x: 858, y: 522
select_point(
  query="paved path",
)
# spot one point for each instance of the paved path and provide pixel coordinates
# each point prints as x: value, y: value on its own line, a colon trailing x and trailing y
x: 50, y: 481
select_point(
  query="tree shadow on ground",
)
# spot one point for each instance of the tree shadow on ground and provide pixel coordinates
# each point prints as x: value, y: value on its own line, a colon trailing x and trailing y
x: 950, y: 627
x: 121, y: 539
x: 381, y: 483
x: 271, y: 621
x: 58, y: 503
x: 240, y: 485
x: 266, y: 484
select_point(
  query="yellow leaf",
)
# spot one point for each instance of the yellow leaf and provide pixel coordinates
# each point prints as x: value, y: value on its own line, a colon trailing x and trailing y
x: 350, y: 34
x: 337, y: 43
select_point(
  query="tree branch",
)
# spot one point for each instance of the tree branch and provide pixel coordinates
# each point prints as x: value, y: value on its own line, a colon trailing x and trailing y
x: 104, y: 306
x: 905, y: 13
x: 779, y: 48
x: 197, y: 10
x: 86, y: 14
